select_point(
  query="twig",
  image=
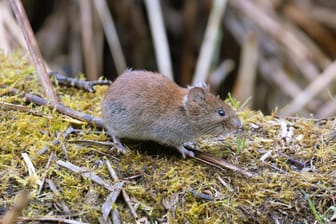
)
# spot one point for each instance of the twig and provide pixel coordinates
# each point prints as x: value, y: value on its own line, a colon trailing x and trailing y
x: 244, y: 86
x: 124, y: 193
x: 111, y: 35
x: 31, y: 168
x: 60, y: 108
x: 56, y: 141
x: 98, y: 143
x: 10, y: 106
x: 226, y: 185
x: 44, y: 176
x: 275, y: 167
x: 209, y: 42
x: 319, y: 84
x: 107, y: 207
x: 220, y: 163
x: 298, y: 163
x: 52, y: 219
x: 160, y: 38
x: 136, y: 176
x: 87, y: 174
x: 53, y: 188
x: 80, y: 84
x: 92, y: 142
x: 201, y: 195
x: 33, y: 48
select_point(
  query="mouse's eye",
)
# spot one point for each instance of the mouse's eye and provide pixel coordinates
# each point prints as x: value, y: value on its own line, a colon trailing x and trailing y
x: 221, y: 112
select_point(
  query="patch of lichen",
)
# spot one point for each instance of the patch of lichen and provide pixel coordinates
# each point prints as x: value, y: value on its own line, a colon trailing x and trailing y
x: 165, y: 184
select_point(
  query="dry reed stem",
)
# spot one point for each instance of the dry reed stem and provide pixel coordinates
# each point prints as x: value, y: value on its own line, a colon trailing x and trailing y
x: 111, y: 35
x: 159, y: 35
x: 315, y: 87
x: 9, y: 26
x: 296, y: 50
x: 33, y: 48
x: 90, y: 58
x: 209, y: 42
x: 244, y: 86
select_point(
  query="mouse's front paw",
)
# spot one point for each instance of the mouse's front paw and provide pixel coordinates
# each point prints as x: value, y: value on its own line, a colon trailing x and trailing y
x: 120, y: 147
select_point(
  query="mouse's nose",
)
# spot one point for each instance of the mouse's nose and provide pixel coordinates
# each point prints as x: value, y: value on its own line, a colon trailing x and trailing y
x: 237, y: 123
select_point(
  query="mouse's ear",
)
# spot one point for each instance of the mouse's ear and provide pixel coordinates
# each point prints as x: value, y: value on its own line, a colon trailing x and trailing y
x: 195, y: 97
x: 200, y: 84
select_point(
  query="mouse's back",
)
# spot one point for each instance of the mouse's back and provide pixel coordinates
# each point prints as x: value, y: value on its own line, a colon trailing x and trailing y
x: 144, y: 90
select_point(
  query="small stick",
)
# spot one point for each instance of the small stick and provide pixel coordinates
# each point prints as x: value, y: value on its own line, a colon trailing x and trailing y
x: 115, y: 189
x: 93, y: 142
x: 111, y: 199
x: 52, y: 219
x: 53, y: 188
x: 209, y: 41
x: 31, y: 168
x: 124, y: 193
x: 220, y: 163
x: 226, y: 185
x: 201, y: 195
x: 10, y: 106
x: 87, y: 174
x: 160, y: 38
x: 33, y: 48
x: 44, y: 176
x: 56, y: 141
x: 292, y: 160
x: 80, y: 84
x: 60, y: 108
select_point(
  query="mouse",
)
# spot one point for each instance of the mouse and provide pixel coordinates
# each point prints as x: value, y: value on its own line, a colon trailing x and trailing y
x: 147, y: 106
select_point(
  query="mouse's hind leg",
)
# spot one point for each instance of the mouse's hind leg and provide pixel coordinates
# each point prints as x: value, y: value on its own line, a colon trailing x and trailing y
x: 118, y: 145
x: 116, y: 141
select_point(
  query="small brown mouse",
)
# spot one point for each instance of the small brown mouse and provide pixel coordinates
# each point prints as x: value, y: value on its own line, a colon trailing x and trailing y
x: 143, y: 105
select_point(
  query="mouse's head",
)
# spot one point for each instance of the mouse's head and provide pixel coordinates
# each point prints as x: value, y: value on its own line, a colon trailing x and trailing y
x: 209, y: 114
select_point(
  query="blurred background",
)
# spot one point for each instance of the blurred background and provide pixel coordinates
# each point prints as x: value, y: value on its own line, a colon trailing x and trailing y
x: 275, y: 55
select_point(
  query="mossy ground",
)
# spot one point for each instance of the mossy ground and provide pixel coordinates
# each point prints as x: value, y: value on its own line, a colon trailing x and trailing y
x: 281, y: 191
